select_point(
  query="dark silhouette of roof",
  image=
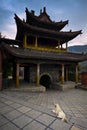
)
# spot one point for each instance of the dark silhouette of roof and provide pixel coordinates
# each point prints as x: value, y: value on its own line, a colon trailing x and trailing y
x: 23, y: 27
x: 44, y: 21
x: 42, y: 27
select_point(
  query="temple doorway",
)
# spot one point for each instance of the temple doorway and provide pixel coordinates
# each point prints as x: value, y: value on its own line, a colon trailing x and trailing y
x: 45, y: 80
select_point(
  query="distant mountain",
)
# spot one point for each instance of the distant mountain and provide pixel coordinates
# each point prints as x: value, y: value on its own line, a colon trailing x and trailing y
x: 78, y: 49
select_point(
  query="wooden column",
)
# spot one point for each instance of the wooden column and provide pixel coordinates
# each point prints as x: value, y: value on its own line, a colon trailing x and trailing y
x: 25, y: 41
x: 66, y: 73
x: 36, y: 43
x: 17, y: 75
x: 62, y: 77
x: 77, y: 73
x: 38, y: 74
x: 67, y: 46
x: 0, y: 71
x: 59, y: 44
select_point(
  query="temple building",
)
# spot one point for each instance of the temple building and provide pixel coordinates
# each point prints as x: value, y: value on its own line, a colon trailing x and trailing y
x: 38, y: 48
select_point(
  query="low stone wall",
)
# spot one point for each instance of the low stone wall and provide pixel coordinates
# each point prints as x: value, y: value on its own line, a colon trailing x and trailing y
x: 30, y: 88
x: 65, y: 86
x: 81, y: 86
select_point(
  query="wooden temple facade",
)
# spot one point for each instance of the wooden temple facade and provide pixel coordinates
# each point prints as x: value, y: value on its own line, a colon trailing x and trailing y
x: 38, y: 48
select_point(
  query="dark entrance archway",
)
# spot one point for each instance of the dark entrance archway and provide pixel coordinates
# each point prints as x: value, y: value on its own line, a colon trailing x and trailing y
x: 45, y: 80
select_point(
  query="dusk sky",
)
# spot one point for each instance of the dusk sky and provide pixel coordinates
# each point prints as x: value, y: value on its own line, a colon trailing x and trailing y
x: 73, y: 10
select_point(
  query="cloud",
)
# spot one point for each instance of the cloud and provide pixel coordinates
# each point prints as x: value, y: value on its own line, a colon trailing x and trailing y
x: 6, y: 5
x: 80, y: 40
x: 10, y: 31
x: 72, y: 10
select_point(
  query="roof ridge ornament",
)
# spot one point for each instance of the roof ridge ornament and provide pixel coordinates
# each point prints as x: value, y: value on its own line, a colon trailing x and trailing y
x: 26, y: 9
x: 44, y: 9
x: 40, y: 11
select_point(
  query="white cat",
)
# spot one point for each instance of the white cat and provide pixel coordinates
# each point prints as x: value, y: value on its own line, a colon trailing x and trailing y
x: 60, y: 114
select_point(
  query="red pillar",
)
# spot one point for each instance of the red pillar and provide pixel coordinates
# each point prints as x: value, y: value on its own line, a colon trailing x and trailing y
x: 0, y: 70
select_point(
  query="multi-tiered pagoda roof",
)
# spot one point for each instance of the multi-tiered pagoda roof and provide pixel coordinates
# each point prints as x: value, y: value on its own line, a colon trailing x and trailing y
x: 48, y: 33
x: 38, y: 48
x: 42, y: 26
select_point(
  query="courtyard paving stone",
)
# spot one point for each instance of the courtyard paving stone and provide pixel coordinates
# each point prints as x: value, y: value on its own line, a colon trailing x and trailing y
x: 9, y: 126
x: 12, y: 115
x: 75, y: 128
x: 2, y: 104
x: 8, y: 102
x: 15, y: 105
x: 34, y: 126
x: 3, y: 120
x: 6, y: 109
x: 59, y: 125
x: 30, y: 111
x: 22, y: 121
x: 80, y: 122
x: 24, y: 109
x: 45, y: 119
x: 33, y: 114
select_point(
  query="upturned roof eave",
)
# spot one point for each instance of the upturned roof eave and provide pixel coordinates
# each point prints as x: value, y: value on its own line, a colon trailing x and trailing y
x: 26, y: 28
x: 37, y: 18
x: 34, y: 54
x: 36, y: 21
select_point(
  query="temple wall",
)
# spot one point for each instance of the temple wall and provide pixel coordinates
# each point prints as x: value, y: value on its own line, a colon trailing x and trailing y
x: 84, y: 78
x: 33, y: 72
x: 51, y: 70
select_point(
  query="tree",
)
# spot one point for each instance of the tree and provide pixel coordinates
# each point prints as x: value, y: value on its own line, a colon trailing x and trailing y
x: 1, y: 36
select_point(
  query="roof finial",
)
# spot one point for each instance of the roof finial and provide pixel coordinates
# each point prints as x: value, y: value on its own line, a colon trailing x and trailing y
x: 40, y: 11
x: 44, y: 9
x: 26, y: 10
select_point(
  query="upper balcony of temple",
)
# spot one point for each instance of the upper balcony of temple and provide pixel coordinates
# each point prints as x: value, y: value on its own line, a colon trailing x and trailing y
x: 63, y: 36
x: 43, y: 20
x: 40, y: 37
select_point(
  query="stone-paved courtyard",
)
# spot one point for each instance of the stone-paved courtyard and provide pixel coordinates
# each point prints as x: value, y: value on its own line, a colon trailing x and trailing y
x: 32, y: 111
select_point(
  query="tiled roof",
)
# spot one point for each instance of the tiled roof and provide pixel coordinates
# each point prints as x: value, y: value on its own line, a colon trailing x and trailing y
x: 43, y: 20
x: 44, y: 55
x: 23, y: 27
